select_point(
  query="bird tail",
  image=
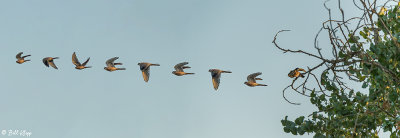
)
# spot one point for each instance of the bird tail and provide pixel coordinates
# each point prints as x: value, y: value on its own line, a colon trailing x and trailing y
x: 262, y: 85
x: 259, y: 79
x: 28, y: 60
x: 301, y: 75
x: 155, y: 64
x: 189, y: 73
x: 88, y: 67
x: 56, y: 58
x: 117, y: 63
x: 226, y: 72
x: 121, y: 68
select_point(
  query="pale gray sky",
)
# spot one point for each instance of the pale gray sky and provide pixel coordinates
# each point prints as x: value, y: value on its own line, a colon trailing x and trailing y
x: 233, y: 35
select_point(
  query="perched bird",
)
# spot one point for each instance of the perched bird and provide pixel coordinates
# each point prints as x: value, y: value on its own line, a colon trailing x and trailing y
x: 111, y: 65
x: 216, y: 75
x: 251, y: 80
x: 49, y: 61
x: 145, y: 68
x: 179, y: 69
x: 20, y: 59
x: 78, y: 65
x: 296, y: 73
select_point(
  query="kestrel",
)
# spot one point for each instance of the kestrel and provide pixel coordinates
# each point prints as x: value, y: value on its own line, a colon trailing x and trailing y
x: 251, y: 80
x: 78, y: 65
x: 296, y: 73
x: 216, y: 75
x: 179, y: 69
x: 145, y: 68
x: 49, y: 61
x: 20, y: 59
x: 111, y: 65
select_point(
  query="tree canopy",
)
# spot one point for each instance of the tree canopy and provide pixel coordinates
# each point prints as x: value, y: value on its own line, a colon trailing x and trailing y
x: 364, y: 50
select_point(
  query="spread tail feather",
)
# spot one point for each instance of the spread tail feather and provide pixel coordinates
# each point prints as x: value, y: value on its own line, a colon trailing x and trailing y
x: 121, y: 68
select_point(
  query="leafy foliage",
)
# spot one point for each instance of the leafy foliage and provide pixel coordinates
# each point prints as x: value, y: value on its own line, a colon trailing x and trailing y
x: 368, y: 54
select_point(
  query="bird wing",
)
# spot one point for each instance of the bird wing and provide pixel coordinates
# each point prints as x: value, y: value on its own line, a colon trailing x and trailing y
x: 144, y: 65
x: 84, y: 63
x: 215, y: 81
x: 215, y: 78
x: 26, y: 56
x: 300, y: 69
x: 110, y: 62
x: 75, y: 60
x: 179, y: 67
x: 252, y: 77
x: 146, y: 74
x: 45, y: 62
x: 18, y: 56
x: 51, y: 63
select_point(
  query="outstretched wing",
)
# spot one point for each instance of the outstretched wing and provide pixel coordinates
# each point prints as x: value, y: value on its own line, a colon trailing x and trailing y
x: 18, y: 56
x: 215, y: 81
x: 252, y: 77
x: 84, y: 63
x: 179, y: 67
x: 110, y: 62
x: 146, y: 74
x: 75, y: 60
x: 52, y: 64
x: 45, y: 62
x: 216, y: 75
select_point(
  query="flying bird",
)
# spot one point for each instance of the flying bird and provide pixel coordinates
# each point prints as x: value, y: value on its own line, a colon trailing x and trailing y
x: 78, y: 65
x: 20, y: 59
x: 145, y: 68
x: 111, y: 65
x: 179, y: 69
x: 50, y: 61
x: 296, y: 73
x: 251, y: 80
x: 216, y: 75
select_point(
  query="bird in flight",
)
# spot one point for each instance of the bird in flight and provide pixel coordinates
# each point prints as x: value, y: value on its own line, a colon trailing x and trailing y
x: 216, y: 75
x: 20, y: 59
x: 111, y: 65
x: 50, y: 61
x: 179, y: 69
x: 251, y: 80
x: 145, y: 68
x: 78, y: 65
x: 296, y: 73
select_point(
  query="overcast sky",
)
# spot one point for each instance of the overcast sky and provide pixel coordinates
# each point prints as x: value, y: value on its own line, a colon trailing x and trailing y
x: 233, y: 35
